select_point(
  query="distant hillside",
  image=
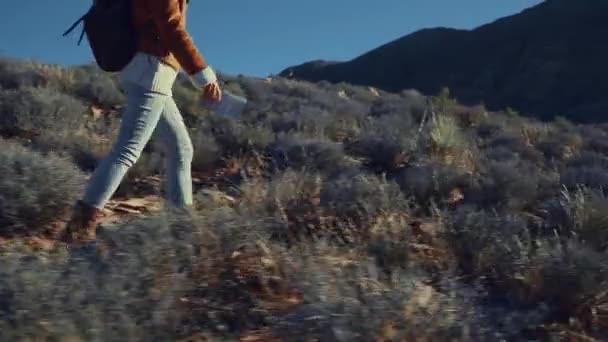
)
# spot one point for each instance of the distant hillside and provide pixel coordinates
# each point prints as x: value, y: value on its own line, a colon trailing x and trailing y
x: 548, y: 60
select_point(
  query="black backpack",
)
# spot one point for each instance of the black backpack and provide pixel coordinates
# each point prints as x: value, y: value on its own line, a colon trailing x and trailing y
x: 109, y: 30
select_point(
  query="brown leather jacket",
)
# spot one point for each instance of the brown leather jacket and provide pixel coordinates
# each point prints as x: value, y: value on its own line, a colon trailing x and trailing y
x: 162, y: 28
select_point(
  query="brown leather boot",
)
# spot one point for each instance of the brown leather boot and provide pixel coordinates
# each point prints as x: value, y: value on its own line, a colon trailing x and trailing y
x: 83, y: 223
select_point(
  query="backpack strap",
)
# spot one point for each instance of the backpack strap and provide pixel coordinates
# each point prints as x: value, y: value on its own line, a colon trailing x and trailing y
x: 68, y: 31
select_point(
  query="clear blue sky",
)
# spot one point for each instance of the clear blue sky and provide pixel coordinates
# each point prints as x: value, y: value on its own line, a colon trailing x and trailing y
x: 256, y: 38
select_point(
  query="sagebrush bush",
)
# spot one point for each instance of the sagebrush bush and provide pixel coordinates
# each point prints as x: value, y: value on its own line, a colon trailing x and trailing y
x: 589, y: 176
x: 360, y: 198
x: 187, y: 98
x: 290, y: 203
x: 308, y: 154
x: 506, y: 150
x: 586, y: 218
x: 483, y: 242
x: 35, y: 189
x: 86, y: 295
x: 31, y: 110
x: 18, y: 74
x: 431, y: 182
x: 348, y: 299
x: 207, y: 152
x: 590, y: 159
x: 84, y: 146
x: 96, y: 87
x: 561, y: 145
x: 508, y: 184
x: 236, y: 138
x: 386, y: 143
x: 408, y: 104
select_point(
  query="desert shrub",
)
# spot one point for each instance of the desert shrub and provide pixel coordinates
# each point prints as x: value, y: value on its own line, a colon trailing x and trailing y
x: 579, y: 271
x: 385, y: 143
x: 553, y: 276
x: 589, y: 159
x: 349, y: 299
x: 488, y: 129
x: 534, y: 132
x: 585, y: 217
x: 470, y: 117
x: 309, y: 120
x: 256, y: 91
x: 31, y: 110
x: 187, y: 99
x: 125, y: 294
x: 508, y: 184
x: 432, y: 182
x: 561, y: 146
x: 379, y: 153
x: 344, y: 126
x: 96, y: 87
x: 361, y: 198
x: 596, y: 143
x: 568, y: 279
x: 594, y: 177
x: 282, y: 123
x: 235, y: 137
x: 392, y: 104
x: 511, y: 140
x: 206, y: 151
x: 512, y: 145
x: 299, y: 89
x: 291, y: 199
x: 500, y: 154
x: 35, y: 189
x: 501, y: 185
x: 52, y: 121
x: 312, y: 155
x: 82, y: 146
x: 483, y: 242
x: 20, y: 74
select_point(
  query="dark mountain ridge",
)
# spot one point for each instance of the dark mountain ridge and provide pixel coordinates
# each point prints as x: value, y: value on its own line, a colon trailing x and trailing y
x: 546, y: 61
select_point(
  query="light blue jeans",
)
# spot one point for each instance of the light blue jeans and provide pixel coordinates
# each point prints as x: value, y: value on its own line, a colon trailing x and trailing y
x: 146, y: 112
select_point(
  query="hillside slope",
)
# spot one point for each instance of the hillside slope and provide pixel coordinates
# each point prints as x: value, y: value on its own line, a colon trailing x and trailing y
x: 548, y: 60
x: 326, y: 213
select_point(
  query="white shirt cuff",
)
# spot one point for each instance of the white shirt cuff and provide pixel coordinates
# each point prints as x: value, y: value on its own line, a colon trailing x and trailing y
x: 204, y: 77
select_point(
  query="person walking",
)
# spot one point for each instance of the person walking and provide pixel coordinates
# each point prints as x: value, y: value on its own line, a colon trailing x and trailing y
x: 164, y: 47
